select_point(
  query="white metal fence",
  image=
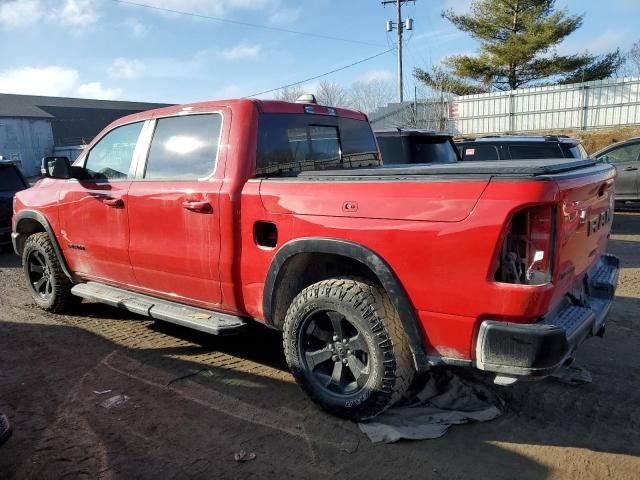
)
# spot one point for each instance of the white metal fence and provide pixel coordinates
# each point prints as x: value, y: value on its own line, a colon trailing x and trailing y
x: 603, y: 103
x: 598, y: 104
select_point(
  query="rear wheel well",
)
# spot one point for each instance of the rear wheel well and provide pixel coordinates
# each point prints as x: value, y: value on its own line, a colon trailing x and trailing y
x: 304, y: 269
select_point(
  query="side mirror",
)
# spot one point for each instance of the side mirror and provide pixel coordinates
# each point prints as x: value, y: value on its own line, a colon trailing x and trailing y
x: 604, y: 159
x: 56, y: 167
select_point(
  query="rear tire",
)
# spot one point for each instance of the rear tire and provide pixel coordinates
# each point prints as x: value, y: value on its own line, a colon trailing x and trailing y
x: 46, y: 281
x: 345, y: 346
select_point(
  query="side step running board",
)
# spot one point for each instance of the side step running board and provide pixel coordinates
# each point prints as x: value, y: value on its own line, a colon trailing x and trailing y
x: 206, y: 321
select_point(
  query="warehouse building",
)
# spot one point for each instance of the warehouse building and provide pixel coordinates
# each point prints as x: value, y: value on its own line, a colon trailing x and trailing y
x: 32, y: 127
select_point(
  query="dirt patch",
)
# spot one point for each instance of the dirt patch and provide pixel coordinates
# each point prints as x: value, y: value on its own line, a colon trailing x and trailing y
x: 194, y: 401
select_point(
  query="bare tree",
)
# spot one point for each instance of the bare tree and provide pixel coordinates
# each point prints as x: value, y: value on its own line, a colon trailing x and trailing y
x: 290, y: 94
x: 371, y: 95
x: 633, y: 59
x: 333, y: 94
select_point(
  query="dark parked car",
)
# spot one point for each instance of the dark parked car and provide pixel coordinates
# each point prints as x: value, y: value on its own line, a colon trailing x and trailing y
x: 625, y: 156
x: 404, y: 145
x: 11, y: 181
x: 512, y: 147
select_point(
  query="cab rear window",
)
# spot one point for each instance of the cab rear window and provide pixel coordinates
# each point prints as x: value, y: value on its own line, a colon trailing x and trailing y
x: 293, y: 143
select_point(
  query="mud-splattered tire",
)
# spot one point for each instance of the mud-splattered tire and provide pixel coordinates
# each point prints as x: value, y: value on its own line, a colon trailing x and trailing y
x: 46, y: 282
x: 345, y: 345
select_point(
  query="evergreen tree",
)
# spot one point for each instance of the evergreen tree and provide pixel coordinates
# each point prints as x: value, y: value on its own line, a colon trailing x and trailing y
x: 517, y: 48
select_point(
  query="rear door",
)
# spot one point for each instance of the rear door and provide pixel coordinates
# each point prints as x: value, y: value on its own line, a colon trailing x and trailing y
x: 626, y: 160
x: 174, y: 223
x: 94, y: 211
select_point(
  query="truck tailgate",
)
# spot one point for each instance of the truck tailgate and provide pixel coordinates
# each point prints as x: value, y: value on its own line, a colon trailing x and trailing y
x: 584, y: 220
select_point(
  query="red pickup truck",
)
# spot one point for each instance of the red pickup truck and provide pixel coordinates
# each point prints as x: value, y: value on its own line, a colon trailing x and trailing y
x: 215, y: 214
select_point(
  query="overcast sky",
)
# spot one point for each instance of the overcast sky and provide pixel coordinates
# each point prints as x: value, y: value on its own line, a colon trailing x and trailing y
x: 110, y: 50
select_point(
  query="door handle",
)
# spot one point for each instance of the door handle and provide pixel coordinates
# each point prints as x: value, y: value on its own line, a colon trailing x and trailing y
x: 201, y: 207
x: 630, y: 169
x: 113, y: 202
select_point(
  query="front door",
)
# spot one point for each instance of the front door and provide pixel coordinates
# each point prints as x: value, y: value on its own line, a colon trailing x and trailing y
x: 625, y: 159
x: 93, y: 211
x: 173, y: 211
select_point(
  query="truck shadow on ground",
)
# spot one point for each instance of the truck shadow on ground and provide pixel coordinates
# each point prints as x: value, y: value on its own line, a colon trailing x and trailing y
x: 172, y: 425
x: 8, y: 259
x: 194, y: 400
x: 233, y: 393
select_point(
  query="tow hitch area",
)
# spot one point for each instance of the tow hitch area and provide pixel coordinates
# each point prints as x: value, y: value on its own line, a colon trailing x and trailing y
x: 537, y: 350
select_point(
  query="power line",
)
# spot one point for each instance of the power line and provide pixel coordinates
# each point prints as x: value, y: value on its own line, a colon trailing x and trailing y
x: 246, y: 24
x: 322, y: 74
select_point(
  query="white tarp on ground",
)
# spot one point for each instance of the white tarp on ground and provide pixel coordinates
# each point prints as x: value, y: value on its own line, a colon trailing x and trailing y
x: 446, y: 400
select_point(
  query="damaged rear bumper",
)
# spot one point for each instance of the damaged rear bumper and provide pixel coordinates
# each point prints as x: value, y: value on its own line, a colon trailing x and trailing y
x: 539, y: 349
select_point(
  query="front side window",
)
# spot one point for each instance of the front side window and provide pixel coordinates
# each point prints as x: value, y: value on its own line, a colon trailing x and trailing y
x: 111, y: 157
x: 626, y: 154
x: 184, y: 148
x: 292, y: 143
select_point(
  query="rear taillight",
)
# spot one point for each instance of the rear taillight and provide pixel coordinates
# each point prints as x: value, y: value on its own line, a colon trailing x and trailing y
x: 526, y: 256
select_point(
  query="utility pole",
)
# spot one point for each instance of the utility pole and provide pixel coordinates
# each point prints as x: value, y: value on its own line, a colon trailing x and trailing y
x: 400, y: 26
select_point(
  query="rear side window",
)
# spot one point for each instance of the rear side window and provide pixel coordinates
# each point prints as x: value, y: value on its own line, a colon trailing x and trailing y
x: 480, y: 152
x: 10, y: 180
x: 293, y: 143
x: 184, y: 148
x: 535, y: 151
x: 111, y: 157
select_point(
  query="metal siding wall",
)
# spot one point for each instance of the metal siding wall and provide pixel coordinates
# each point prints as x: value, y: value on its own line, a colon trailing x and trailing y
x: 27, y: 140
x: 603, y: 103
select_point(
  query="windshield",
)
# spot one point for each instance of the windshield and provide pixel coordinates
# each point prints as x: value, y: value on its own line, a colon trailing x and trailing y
x: 292, y: 143
x: 10, y: 180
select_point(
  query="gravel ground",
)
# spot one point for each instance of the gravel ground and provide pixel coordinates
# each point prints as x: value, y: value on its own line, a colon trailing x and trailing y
x: 186, y: 402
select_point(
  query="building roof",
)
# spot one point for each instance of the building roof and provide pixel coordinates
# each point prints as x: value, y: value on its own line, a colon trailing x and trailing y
x: 73, y: 120
x: 36, y: 106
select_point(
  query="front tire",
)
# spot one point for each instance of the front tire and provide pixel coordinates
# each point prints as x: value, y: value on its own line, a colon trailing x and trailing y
x: 345, y: 346
x: 46, y: 281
